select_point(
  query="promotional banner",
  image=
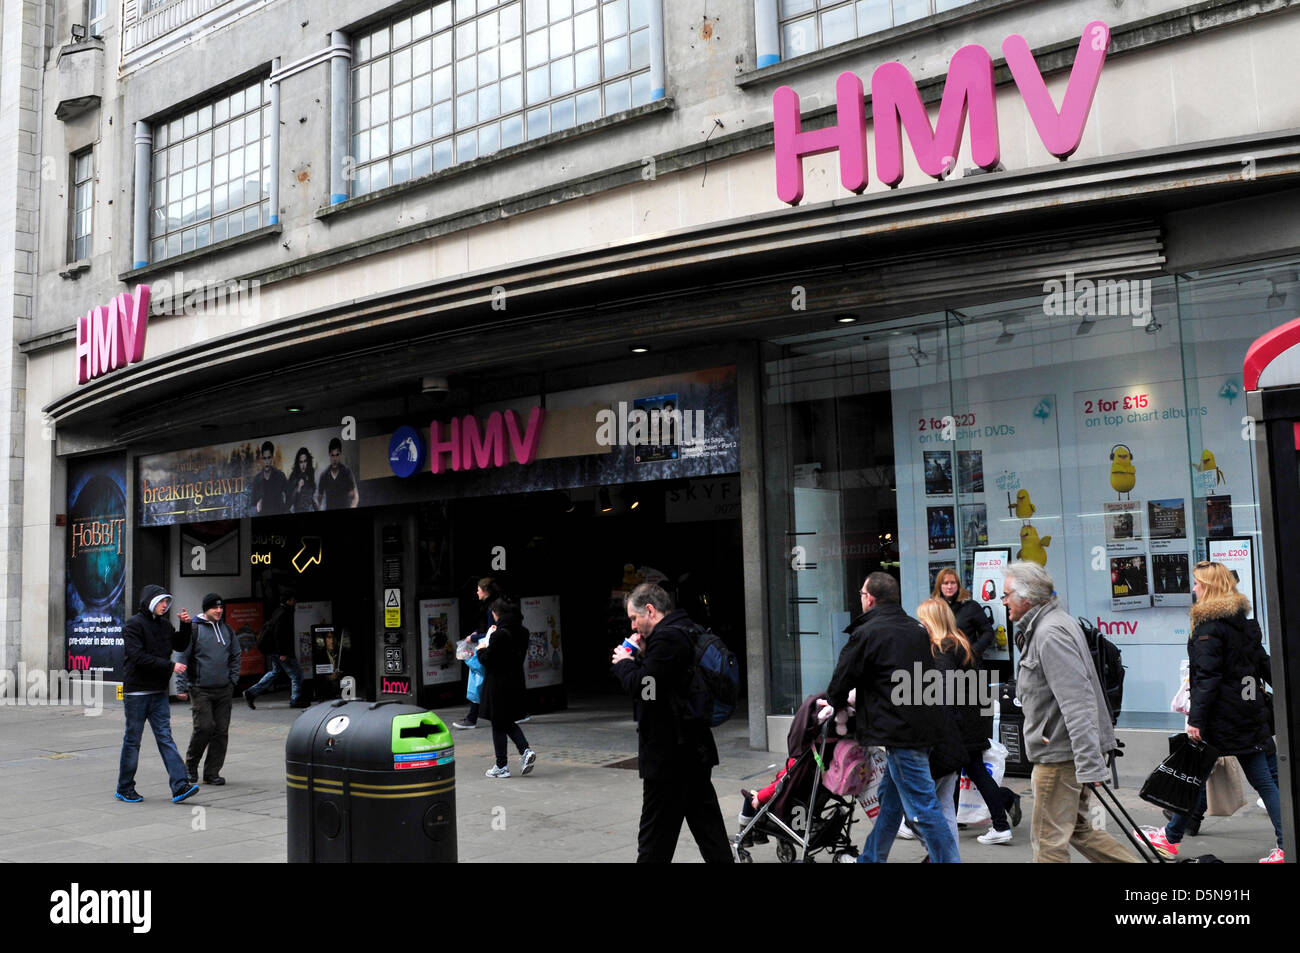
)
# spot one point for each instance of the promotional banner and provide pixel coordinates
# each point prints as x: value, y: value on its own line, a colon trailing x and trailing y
x: 439, y: 629
x: 545, y: 662
x: 1237, y: 554
x: 305, y: 615
x: 245, y: 618
x: 989, y: 567
x: 95, y: 571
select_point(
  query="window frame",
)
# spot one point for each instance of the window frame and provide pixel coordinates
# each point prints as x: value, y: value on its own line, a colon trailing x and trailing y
x: 820, y: 7
x: 75, y: 208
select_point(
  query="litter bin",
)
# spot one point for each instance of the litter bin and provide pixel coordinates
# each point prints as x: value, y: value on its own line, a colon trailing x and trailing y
x: 1011, y: 731
x: 370, y: 781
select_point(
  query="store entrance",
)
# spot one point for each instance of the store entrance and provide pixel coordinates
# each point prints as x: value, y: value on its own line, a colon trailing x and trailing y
x: 588, y: 547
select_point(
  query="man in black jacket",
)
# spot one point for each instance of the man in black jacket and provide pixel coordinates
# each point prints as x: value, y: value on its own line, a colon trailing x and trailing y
x: 285, y: 657
x: 212, y: 671
x: 885, y: 659
x: 675, y: 755
x: 149, y: 641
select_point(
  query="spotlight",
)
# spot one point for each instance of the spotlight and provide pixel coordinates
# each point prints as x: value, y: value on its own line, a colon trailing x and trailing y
x: 845, y: 319
x: 606, y: 504
x: 294, y: 409
x: 635, y: 504
x: 639, y: 349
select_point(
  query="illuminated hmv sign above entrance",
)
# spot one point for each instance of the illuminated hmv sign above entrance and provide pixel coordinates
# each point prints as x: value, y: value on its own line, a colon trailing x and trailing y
x: 464, y: 444
x: 968, y: 92
x: 112, y: 336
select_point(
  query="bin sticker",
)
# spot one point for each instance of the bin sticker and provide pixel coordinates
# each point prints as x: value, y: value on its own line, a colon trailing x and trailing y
x: 424, y: 755
x: 336, y: 726
x: 426, y: 763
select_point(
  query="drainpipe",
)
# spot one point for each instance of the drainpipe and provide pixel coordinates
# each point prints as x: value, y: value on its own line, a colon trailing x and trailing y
x: 275, y: 143
x: 766, y: 32
x: 143, y: 165
x: 340, y: 101
x: 657, y: 84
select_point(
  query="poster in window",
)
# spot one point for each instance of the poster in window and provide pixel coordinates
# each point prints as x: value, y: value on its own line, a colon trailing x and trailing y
x: 970, y: 471
x: 1237, y: 554
x: 989, y: 566
x: 1129, y: 588
x: 942, y: 528
x: 936, y: 568
x: 439, y: 629
x: 1171, y: 577
x: 1167, y: 525
x: 938, y: 473
x: 974, y: 525
x: 1218, y: 516
x: 544, y: 664
x: 95, y: 570
x: 1123, y: 526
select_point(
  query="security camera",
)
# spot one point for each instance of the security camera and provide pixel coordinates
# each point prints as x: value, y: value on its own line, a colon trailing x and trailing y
x: 435, y: 385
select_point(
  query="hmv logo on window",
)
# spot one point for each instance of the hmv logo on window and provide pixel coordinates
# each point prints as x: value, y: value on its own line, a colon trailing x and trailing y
x: 396, y: 686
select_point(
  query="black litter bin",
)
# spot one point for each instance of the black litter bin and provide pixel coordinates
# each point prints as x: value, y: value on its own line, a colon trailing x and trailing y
x: 370, y: 781
x: 1011, y: 732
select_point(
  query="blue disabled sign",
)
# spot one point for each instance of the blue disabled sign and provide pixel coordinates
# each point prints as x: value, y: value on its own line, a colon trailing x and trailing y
x: 405, y: 452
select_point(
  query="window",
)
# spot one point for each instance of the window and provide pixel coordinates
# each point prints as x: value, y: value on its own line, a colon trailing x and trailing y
x: 211, y: 173
x: 83, y: 204
x: 464, y: 78
x: 810, y: 25
x: 97, y: 14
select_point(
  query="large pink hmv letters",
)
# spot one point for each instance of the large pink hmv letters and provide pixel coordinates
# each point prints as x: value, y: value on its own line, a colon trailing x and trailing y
x: 112, y: 336
x: 968, y: 93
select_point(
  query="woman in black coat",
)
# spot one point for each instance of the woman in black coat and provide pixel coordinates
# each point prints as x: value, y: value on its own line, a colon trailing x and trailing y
x: 1229, y: 707
x: 502, y: 653
x: 972, y: 621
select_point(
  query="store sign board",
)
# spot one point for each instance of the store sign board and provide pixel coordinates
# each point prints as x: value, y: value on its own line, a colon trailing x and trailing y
x: 112, y: 336
x: 897, y: 105
x: 471, y: 447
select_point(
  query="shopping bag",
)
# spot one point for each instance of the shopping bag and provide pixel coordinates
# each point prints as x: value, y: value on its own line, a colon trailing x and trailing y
x: 464, y: 650
x: 1224, y: 791
x: 971, y: 808
x: 1176, y: 782
x: 1182, y: 701
x: 869, y: 796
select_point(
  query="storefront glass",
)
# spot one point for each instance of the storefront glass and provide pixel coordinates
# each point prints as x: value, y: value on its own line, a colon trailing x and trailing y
x: 1097, y: 428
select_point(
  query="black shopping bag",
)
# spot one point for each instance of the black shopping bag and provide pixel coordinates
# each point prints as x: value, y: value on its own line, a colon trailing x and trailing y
x: 1177, y: 782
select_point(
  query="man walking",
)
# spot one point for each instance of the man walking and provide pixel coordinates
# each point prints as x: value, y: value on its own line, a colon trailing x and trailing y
x: 148, y: 642
x: 284, y: 658
x: 211, y: 673
x: 1067, y: 724
x: 886, y: 642
x: 675, y: 754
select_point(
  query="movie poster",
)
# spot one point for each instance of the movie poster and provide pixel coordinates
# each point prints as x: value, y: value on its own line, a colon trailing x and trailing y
x: 941, y: 528
x: 95, y: 570
x: 938, y: 473
x: 1218, y: 516
x: 1129, y: 588
x: 245, y: 618
x: 545, y: 662
x: 974, y: 525
x: 970, y: 471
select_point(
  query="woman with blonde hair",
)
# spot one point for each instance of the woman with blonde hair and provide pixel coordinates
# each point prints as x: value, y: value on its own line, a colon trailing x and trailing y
x: 1229, y: 707
x: 953, y: 652
x: 969, y: 615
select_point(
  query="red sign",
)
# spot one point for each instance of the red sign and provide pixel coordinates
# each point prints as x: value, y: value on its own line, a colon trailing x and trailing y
x: 395, y: 686
x: 112, y: 336
x: 244, y: 616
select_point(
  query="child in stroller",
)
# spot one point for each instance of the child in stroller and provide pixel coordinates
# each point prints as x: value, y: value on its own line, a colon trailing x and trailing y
x: 808, y: 808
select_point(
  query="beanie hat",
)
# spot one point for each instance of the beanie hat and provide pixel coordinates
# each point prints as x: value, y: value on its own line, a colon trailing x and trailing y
x: 211, y: 601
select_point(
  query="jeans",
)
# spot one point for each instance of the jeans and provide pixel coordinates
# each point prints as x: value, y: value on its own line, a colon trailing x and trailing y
x: 1261, y: 771
x: 157, y: 710
x: 908, y: 787
x: 945, y: 789
x: 289, y: 667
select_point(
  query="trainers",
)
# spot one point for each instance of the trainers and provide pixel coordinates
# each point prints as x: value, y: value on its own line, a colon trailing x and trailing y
x: 992, y: 836
x: 464, y: 724
x: 905, y: 832
x: 1160, y: 842
x: 130, y: 797
x: 495, y: 772
x: 193, y: 790
x: 1275, y: 856
x: 530, y: 759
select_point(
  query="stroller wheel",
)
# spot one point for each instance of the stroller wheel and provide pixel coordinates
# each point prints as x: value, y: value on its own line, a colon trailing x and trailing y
x: 785, y: 852
x: 743, y: 856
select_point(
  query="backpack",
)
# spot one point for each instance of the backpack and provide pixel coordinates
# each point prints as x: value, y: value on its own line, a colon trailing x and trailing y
x: 714, y: 683
x: 1108, y: 660
x: 849, y: 770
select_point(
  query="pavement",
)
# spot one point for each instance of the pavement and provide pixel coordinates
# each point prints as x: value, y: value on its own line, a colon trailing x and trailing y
x: 58, y: 771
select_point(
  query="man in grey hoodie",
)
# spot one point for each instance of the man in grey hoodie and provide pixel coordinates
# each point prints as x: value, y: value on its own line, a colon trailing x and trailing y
x: 1067, y: 725
x: 212, y: 670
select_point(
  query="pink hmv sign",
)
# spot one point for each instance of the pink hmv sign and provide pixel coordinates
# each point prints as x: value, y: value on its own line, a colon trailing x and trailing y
x: 112, y: 336
x: 968, y: 92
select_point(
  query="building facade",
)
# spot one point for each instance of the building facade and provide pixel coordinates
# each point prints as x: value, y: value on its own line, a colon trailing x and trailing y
x: 892, y: 286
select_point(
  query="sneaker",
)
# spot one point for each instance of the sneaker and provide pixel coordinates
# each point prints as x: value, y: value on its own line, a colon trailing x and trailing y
x: 193, y: 790
x: 905, y: 832
x: 992, y: 836
x: 495, y: 772
x: 530, y: 759
x: 464, y: 724
x: 248, y: 697
x: 1156, y: 835
x: 130, y: 797
x: 1275, y: 856
x: 520, y: 721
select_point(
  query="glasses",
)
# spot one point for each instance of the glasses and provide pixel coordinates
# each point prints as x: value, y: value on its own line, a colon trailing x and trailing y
x: 863, y: 592
x: 1005, y: 597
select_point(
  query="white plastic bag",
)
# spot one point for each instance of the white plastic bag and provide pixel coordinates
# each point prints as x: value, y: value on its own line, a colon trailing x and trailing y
x: 464, y: 650
x: 971, y: 808
x: 1182, y: 703
x: 869, y: 797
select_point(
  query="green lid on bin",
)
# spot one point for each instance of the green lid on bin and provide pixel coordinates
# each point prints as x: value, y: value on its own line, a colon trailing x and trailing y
x: 421, y: 731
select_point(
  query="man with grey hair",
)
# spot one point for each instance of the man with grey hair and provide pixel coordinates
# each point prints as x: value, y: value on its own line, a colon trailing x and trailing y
x: 676, y: 754
x: 1067, y: 724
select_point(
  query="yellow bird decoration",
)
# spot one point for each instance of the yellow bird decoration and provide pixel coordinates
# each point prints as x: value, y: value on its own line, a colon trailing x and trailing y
x: 1000, y: 635
x: 1123, y: 475
x: 1024, y: 508
x: 1031, y: 547
x: 1207, y: 464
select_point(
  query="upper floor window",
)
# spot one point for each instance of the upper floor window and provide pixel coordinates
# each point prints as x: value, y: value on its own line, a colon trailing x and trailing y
x: 97, y: 14
x: 462, y: 79
x: 83, y: 205
x: 810, y: 25
x: 211, y: 173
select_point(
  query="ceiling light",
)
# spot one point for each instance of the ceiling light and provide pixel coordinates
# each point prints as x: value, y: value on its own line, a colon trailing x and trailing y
x: 635, y: 504
x: 606, y: 505
x: 294, y: 409
x: 845, y: 319
x: 639, y: 349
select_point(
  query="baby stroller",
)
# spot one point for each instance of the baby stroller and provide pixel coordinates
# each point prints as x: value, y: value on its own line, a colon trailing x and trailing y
x: 803, y: 816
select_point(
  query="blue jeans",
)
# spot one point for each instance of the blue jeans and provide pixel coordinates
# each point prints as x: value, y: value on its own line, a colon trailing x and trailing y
x: 289, y: 667
x: 1261, y: 771
x: 907, y: 786
x: 157, y: 710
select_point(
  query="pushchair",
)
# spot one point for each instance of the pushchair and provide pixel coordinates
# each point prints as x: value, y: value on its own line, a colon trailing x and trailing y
x: 803, y: 816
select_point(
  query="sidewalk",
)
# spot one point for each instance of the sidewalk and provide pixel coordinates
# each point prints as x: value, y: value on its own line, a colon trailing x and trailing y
x: 58, y: 770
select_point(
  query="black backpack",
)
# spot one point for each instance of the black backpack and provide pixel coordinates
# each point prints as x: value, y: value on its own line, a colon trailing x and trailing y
x: 1108, y: 661
x: 713, y: 686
